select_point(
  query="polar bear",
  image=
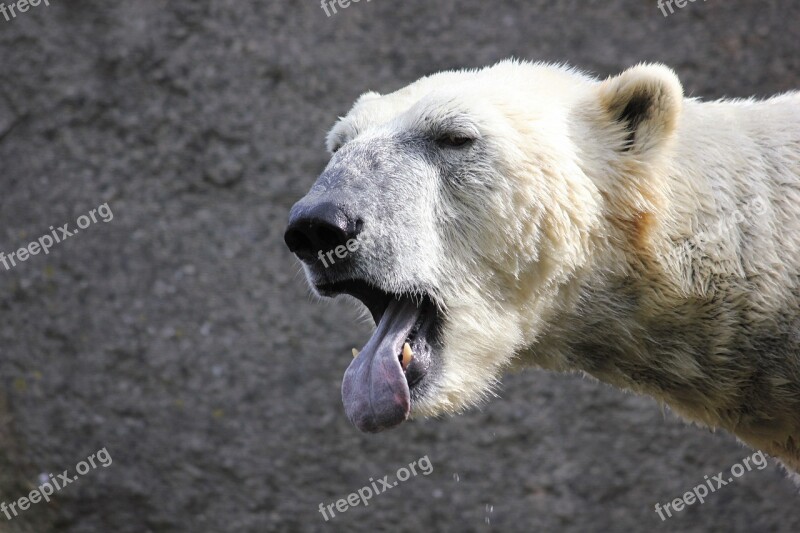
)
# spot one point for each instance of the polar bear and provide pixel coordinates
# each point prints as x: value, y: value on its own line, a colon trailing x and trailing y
x: 532, y: 215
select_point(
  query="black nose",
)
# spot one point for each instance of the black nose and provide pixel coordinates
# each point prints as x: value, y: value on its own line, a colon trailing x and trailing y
x: 321, y: 227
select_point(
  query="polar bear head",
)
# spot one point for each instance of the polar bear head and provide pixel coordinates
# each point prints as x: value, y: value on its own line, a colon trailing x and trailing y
x: 461, y: 210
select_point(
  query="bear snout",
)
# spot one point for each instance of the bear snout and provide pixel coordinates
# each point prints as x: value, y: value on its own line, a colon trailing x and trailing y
x: 319, y: 227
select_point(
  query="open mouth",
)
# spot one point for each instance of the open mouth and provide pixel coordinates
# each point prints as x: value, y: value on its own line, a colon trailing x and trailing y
x: 380, y: 382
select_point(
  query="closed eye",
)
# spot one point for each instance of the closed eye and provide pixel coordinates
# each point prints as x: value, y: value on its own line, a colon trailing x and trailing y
x: 454, y: 140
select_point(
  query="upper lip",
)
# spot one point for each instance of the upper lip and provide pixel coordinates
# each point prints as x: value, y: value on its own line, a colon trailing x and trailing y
x: 374, y: 298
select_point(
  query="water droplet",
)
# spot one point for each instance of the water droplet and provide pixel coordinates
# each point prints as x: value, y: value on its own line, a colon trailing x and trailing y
x: 456, y: 478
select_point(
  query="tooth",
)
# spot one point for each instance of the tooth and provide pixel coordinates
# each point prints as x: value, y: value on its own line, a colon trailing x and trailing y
x: 408, y: 355
x: 355, y: 353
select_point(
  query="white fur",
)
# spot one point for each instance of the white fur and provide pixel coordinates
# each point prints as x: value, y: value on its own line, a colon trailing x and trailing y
x: 615, y: 236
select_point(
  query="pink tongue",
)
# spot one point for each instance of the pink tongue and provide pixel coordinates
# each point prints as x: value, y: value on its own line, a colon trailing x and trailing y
x: 374, y: 390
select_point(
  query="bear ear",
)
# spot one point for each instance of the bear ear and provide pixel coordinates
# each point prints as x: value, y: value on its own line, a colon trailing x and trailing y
x: 644, y: 103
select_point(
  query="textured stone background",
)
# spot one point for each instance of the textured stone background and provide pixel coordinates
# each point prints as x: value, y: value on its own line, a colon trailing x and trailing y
x: 180, y: 335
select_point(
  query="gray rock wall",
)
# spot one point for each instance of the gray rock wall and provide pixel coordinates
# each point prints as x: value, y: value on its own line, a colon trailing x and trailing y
x: 180, y: 335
